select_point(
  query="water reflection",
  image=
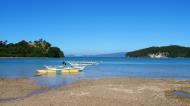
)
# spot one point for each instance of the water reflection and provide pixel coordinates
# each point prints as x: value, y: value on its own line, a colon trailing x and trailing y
x: 182, y: 94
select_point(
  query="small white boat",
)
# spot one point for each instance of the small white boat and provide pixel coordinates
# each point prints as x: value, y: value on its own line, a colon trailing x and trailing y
x: 68, y: 67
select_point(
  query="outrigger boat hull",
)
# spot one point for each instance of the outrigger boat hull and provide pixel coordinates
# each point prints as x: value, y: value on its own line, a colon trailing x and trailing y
x: 70, y: 70
x: 58, y: 72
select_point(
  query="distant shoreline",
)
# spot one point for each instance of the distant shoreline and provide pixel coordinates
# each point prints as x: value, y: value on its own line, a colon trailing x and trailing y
x: 32, y: 57
x: 105, y: 57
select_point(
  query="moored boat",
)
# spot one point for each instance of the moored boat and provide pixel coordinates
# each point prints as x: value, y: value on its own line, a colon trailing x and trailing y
x: 58, y: 71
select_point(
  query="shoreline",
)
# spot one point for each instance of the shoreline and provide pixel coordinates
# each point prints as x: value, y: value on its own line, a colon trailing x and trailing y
x: 31, y: 57
x: 105, y: 57
x: 109, y: 91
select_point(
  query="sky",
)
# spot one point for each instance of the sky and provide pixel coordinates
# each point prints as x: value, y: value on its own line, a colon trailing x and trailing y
x: 83, y: 27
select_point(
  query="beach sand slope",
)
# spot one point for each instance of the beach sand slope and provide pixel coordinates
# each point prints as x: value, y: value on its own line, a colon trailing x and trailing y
x: 109, y: 92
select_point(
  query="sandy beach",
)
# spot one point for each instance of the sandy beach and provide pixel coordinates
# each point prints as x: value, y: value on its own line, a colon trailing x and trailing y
x: 103, y: 92
x: 18, y: 88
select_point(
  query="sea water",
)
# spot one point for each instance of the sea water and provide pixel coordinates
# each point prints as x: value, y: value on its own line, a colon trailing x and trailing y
x: 164, y: 68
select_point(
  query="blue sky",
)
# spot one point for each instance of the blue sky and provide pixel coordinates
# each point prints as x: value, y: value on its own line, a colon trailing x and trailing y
x: 97, y: 26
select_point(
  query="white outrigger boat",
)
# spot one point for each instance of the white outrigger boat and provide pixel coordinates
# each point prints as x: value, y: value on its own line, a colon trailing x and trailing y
x: 79, y: 64
x: 69, y: 67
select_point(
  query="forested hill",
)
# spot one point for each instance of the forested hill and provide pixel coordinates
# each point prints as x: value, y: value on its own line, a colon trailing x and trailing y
x: 39, y: 48
x: 164, y: 51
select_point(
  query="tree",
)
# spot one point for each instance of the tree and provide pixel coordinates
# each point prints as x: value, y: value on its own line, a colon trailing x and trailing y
x: 188, y: 54
x: 55, y: 52
x: 3, y: 43
x: 40, y: 48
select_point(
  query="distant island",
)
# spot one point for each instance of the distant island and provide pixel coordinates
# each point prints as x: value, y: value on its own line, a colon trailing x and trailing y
x: 39, y: 48
x: 161, y: 52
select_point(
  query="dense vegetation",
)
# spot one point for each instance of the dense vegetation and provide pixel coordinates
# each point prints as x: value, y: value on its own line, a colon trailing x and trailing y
x: 170, y: 51
x: 39, y: 48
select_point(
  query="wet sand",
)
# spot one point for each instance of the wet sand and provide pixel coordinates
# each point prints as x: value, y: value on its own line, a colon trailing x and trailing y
x: 107, y: 92
x: 17, y: 88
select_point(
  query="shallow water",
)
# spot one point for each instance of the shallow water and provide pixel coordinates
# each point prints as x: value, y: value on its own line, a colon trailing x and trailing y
x: 168, y: 68
x: 182, y: 94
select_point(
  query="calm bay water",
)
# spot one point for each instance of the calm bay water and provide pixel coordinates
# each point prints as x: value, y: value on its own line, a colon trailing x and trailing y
x: 169, y: 68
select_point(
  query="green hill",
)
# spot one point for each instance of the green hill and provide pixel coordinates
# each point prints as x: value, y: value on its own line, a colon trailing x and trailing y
x: 39, y: 48
x: 165, y: 51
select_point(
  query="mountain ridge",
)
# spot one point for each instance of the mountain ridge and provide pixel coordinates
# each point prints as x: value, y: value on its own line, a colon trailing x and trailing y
x: 117, y: 54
